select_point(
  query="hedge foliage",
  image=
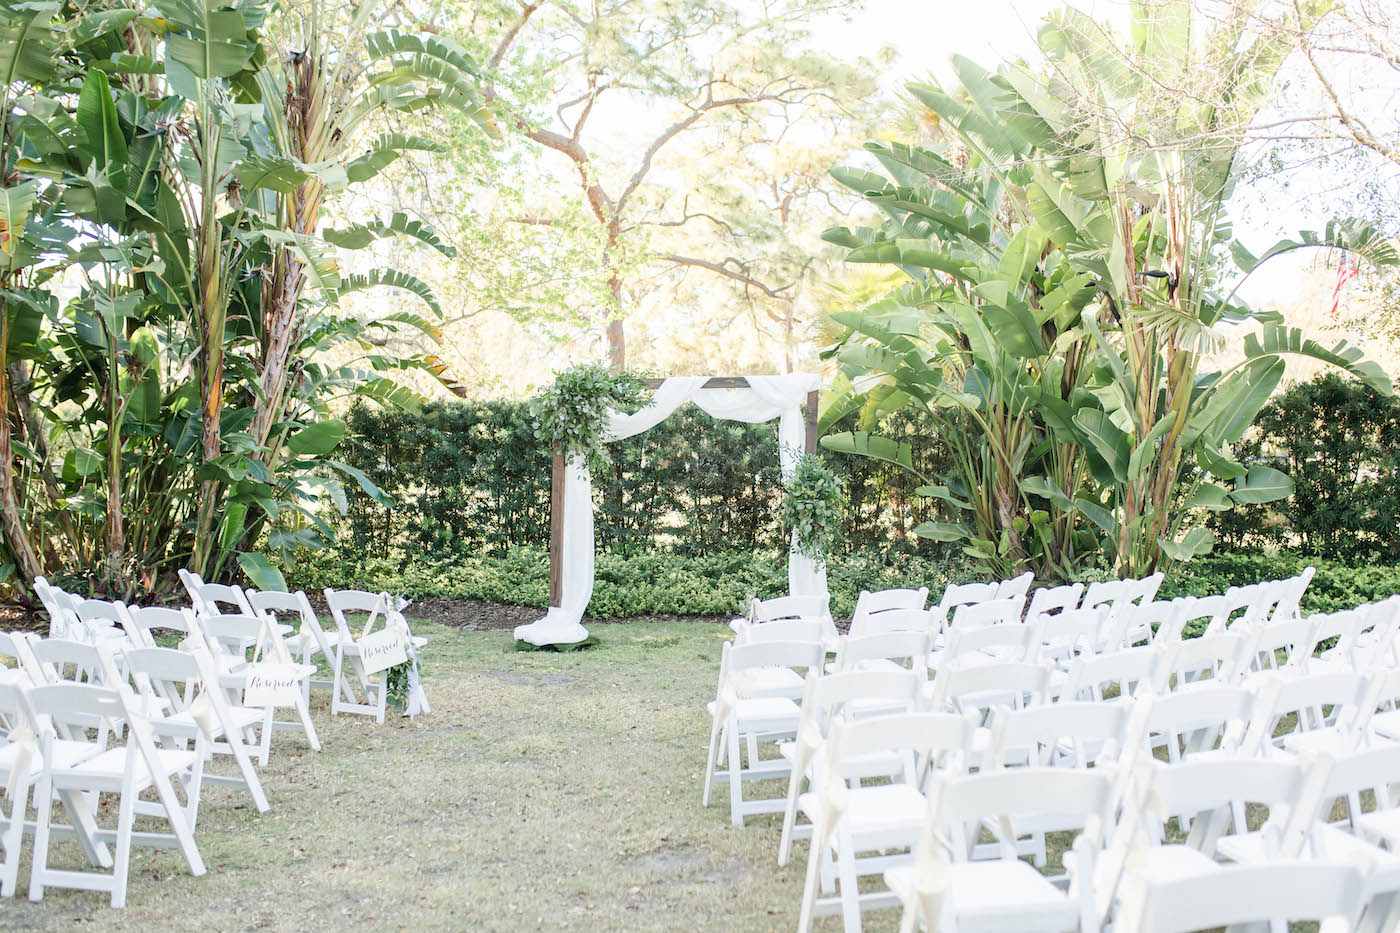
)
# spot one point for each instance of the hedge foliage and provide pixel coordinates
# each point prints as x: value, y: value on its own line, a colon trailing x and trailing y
x: 470, y: 477
x: 1340, y: 442
x: 718, y: 584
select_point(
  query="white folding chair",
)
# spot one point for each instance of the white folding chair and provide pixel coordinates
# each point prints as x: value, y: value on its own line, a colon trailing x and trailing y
x: 968, y: 644
x: 891, y: 652
x: 1049, y: 600
x: 1189, y: 722
x: 849, y: 818
x: 848, y: 695
x: 1073, y: 632
x: 310, y: 639
x: 897, y: 620
x: 871, y: 605
x: 978, y: 687
x: 1066, y: 734
x: 1309, y: 711
x: 738, y: 719
x: 59, y: 604
x: 228, y: 639
x: 374, y: 609
x: 1245, y: 894
x: 141, y: 623
x: 1203, y: 615
x: 202, y: 712
x: 1334, y: 647
x: 1131, y: 671
x: 1209, y: 659
x: 1016, y: 586
x: 946, y: 889
x: 126, y: 770
x: 1281, y: 645
x: 1210, y: 799
x: 963, y: 594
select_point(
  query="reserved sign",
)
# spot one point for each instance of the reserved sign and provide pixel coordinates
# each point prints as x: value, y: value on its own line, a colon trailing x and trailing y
x: 270, y: 684
x: 381, y: 650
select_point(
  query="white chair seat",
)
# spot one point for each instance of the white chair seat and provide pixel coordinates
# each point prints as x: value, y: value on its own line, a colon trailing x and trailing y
x: 996, y: 896
x: 1331, y: 740
x: 764, y: 714
x: 66, y: 754
x: 877, y: 809
x: 1173, y: 862
x: 110, y: 764
x: 1383, y: 825
x: 242, y: 716
x: 1387, y: 723
x: 777, y: 682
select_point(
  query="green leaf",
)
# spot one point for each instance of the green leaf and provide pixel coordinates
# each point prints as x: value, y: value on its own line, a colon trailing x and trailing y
x: 366, y: 484
x: 359, y: 236
x: 1234, y: 402
x: 102, y: 142
x: 385, y: 149
x: 942, y: 531
x: 1112, y: 444
x: 391, y: 278
x: 873, y: 446
x: 1096, y: 513
x: 261, y: 573
x: 1262, y: 484
x: 1219, y: 463
x: 1209, y: 496
x: 317, y: 440
x: 389, y: 393
x: 1194, y: 543
x: 1275, y: 339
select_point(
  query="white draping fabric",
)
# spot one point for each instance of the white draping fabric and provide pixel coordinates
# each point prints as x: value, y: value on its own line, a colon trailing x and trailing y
x: 766, y: 398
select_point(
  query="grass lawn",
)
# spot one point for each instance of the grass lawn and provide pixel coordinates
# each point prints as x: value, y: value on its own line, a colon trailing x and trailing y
x: 544, y: 791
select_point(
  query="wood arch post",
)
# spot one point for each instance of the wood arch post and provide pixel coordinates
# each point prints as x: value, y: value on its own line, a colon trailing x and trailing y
x: 556, y: 481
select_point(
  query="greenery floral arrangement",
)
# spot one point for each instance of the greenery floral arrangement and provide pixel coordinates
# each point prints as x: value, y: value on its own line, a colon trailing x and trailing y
x: 813, y: 506
x: 396, y: 682
x: 572, y: 412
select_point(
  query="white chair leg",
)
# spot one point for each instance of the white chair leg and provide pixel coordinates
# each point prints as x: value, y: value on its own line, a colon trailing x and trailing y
x: 43, y: 804
x: 126, y: 817
x: 14, y: 840
x: 736, y: 775
x: 850, y: 886
x: 304, y: 712
x: 789, y: 815
x: 710, y: 760
x: 815, y: 856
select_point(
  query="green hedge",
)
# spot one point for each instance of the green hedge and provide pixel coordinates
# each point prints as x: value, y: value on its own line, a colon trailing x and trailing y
x: 718, y: 584
x: 1340, y: 442
x: 469, y: 477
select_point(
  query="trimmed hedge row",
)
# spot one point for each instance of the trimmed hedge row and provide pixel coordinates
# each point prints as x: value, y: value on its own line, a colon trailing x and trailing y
x: 718, y: 584
x: 470, y: 477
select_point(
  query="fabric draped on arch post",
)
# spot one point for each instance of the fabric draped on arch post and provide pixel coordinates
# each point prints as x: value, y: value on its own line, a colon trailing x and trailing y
x: 765, y: 398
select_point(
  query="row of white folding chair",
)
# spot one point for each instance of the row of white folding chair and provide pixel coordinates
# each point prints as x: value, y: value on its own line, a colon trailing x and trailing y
x: 49, y: 753
x: 227, y: 637
x: 950, y: 884
x: 1206, y: 697
x: 177, y: 691
x: 307, y: 638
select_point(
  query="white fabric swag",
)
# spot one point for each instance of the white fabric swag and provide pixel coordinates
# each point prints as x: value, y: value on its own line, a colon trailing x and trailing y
x: 766, y: 398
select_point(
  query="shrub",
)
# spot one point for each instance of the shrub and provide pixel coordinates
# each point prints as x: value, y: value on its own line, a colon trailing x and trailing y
x: 718, y: 584
x: 1339, y: 440
x: 471, y: 478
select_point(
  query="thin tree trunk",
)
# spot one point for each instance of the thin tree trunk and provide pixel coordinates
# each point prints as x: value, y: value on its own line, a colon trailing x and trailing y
x: 16, y: 537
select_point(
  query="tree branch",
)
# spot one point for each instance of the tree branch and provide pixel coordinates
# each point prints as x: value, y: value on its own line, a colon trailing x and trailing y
x: 731, y: 269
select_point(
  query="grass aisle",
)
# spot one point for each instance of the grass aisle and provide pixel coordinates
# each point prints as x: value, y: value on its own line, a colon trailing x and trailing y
x: 545, y: 791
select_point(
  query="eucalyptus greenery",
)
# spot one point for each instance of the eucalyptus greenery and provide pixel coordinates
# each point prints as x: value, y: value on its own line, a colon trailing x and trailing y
x: 814, y: 508
x: 571, y: 412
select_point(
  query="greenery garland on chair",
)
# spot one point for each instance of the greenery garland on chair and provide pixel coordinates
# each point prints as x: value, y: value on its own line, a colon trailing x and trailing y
x: 571, y: 413
x: 814, y: 507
